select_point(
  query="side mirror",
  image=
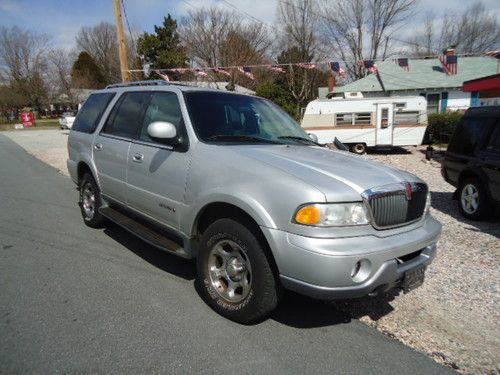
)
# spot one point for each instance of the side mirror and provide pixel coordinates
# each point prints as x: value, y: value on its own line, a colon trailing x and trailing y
x: 162, y: 131
x: 313, y: 136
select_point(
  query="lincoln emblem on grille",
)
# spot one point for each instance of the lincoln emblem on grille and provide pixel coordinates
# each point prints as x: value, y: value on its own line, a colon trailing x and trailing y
x: 409, y: 191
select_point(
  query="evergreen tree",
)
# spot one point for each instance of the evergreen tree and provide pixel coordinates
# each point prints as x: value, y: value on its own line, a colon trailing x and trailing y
x: 85, y: 73
x: 163, y: 48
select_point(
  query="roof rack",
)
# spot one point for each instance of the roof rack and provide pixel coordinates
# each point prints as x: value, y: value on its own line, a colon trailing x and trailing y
x: 157, y: 82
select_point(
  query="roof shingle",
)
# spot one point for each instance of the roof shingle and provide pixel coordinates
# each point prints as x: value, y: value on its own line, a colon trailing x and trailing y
x: 423, y: 74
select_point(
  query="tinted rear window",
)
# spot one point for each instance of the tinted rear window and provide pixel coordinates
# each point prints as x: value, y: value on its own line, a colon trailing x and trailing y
x: 89, y: 115
x: 470, y: 135
x: 126, y: 117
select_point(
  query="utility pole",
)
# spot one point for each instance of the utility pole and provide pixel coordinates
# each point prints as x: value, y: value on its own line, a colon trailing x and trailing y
x: 122, y: 46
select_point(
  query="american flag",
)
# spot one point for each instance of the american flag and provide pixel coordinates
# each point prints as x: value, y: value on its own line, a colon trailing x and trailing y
x: 246, y: 70
x: 307, y: 65
x: 221, y: 71
x: 335, y: 67
x: 276, y: 68
x: 403, y: 63
x: 450, y: 63
x: 162, y: 75
x: 370, y: 66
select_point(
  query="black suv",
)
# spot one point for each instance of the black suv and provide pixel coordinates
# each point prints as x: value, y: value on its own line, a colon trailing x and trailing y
x: 472, y: 162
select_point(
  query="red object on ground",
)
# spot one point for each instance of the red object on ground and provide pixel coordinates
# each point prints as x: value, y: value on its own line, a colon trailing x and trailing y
x: 28, y: 119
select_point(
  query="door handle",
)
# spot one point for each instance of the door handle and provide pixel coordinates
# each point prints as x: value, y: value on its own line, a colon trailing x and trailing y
x: 98, y: 146
x: 138, y: 158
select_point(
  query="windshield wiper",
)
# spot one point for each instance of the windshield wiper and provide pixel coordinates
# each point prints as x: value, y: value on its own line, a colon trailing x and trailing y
x: 294, y: 138
x: 239, y: 138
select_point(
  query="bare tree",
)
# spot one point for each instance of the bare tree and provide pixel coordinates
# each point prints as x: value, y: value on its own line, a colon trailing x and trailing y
x: 298, y: 25
x: 23, y: 58
x: 361, y: 29
x: 100, y: 42
x: 473, y: 31
x: 217, y: 37
x: 60, y: 69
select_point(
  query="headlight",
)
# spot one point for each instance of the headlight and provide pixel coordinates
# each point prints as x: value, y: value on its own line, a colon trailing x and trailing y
x: 428, y: 203
x: 332, y: 214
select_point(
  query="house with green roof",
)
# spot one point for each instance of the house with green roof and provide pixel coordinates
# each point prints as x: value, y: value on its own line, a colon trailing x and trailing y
x: 426, y: 77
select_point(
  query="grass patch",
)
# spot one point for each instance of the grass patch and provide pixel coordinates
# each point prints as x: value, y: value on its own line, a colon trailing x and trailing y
x: 40, y: 124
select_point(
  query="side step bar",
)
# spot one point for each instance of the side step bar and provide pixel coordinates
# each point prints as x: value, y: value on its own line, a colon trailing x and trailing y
x: 144, y: 232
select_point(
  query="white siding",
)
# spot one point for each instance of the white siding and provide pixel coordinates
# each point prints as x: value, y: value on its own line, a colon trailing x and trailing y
x: 458, y: 100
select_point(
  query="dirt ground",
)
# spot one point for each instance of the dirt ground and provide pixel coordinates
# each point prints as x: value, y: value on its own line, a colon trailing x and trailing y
x: 454, y: 316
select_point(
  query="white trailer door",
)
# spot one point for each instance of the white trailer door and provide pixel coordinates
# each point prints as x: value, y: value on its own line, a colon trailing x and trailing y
x: 385, y: 124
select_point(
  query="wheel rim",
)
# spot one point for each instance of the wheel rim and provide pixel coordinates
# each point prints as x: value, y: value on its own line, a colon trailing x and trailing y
x: 470, y: 198
x: 88, y: 200
x: 230, y: 271
x: 359, y: 148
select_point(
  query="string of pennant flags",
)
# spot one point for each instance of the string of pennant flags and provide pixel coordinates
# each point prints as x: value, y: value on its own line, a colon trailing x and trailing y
x: 449, y: 62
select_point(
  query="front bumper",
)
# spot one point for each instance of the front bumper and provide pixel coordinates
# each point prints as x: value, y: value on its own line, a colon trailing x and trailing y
x: 322, y: 267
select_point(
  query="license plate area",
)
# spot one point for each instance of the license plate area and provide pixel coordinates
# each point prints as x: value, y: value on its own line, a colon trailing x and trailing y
x: 413, y: 279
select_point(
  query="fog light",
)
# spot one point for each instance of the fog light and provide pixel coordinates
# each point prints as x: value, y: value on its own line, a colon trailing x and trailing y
x: 361, y: 270
x: 355, y: 269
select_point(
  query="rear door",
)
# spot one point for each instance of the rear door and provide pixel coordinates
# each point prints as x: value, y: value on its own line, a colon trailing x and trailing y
x: 111, y: 145
x: 491, y: 159
x: 157, y: 172
x: 384, y: 124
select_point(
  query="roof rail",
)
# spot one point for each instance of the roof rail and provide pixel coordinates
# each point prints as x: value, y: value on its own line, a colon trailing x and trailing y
x: 157, y: 82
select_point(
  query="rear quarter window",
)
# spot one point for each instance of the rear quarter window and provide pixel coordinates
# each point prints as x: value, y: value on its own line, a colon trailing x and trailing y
x: 470, y: 135
x: 89, y: 115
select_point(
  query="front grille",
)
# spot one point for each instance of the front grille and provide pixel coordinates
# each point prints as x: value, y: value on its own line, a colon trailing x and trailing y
x: 397, y: 204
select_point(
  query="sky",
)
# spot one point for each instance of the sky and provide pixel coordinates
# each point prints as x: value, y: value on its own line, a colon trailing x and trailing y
x: 62, y: 19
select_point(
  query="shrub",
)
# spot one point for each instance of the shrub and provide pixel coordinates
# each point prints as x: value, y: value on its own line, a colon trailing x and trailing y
x: 443, y: 123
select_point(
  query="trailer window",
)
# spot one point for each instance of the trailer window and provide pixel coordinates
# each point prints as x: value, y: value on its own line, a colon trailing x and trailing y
x: 343, y: 119
x: 406, y: 117
x: 363, y: 118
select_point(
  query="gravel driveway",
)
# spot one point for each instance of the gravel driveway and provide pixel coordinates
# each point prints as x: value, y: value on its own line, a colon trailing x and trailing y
x: 454, y: 316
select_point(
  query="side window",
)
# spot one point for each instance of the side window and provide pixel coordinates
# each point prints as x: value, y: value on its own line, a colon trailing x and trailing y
x: 469, y: 135
x: 344, y: 119
x: 89, y: 115
x: 494, y: 143
x: 125, y: 119
x: 164, y: 106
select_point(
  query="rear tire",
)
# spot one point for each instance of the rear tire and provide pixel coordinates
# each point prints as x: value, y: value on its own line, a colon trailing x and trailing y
x: 90, y: 201
x: 358, y: 148
x: 235, y: 276
x: 473, y: 200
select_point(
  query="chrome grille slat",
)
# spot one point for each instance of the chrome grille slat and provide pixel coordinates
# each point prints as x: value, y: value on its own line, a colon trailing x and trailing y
x: 389, y: 205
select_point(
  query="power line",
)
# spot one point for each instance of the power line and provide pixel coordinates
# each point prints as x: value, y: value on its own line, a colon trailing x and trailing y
x: 128, y: 24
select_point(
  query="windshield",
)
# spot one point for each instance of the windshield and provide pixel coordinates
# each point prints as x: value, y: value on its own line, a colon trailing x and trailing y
x: 224, y: 117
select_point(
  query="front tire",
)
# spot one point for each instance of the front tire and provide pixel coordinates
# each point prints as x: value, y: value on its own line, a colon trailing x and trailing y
x: 235, y: 276
x: 473, y: 201
x: 90, y: 202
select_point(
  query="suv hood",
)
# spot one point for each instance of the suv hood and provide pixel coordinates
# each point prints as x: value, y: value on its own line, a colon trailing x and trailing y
x: 341, y: 176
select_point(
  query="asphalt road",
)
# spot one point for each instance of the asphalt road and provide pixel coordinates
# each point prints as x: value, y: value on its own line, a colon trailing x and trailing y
x: 78, y: 300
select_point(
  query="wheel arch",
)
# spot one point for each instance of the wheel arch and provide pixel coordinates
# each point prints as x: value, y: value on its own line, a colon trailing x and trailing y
x: 219, y: 210
x: 83, y: 167
x: 475, y: 173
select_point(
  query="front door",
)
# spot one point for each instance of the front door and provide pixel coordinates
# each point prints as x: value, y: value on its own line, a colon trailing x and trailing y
x: 384, y: 124
x: 157, y: 172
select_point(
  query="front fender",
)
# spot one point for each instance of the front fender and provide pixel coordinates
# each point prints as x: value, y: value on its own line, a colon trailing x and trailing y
x: 244, y: 202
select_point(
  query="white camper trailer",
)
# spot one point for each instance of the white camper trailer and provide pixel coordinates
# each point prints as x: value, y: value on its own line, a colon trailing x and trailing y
x: 366, y: 122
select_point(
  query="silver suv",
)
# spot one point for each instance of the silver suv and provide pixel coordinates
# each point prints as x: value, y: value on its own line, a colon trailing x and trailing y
x: 235, y: 182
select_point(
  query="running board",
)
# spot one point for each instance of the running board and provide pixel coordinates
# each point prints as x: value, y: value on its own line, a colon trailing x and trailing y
x: 144, y: 232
